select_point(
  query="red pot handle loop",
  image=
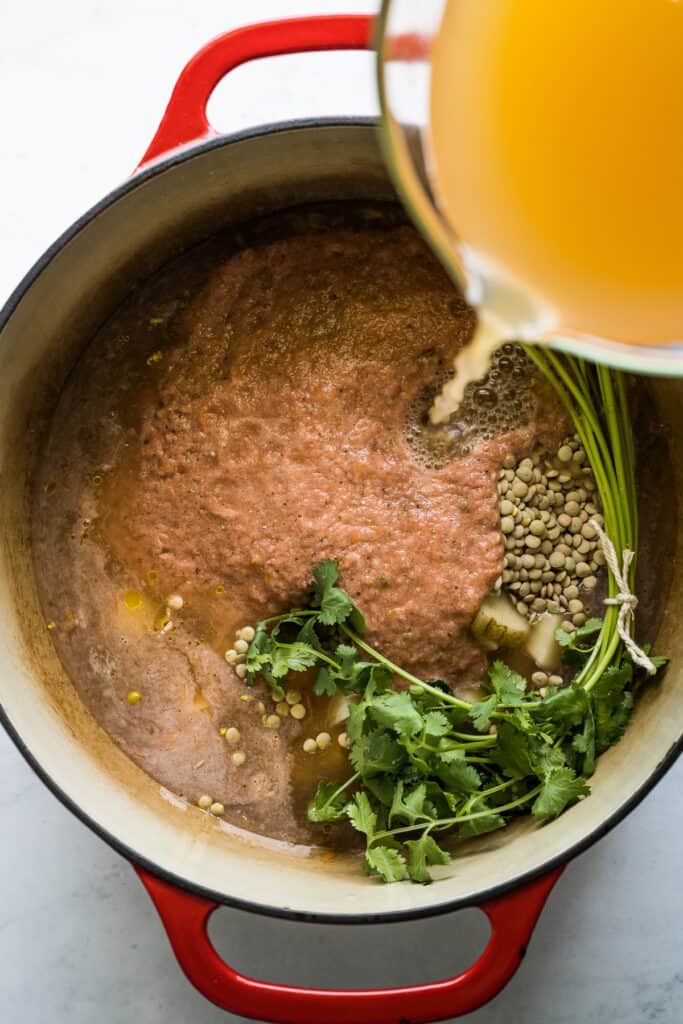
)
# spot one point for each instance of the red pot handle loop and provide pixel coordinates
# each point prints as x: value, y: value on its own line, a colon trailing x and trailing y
x: 512, y: 917
x: 185, y: 120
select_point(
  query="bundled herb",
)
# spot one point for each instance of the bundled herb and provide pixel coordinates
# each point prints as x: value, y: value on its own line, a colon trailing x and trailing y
x: 423, y: 762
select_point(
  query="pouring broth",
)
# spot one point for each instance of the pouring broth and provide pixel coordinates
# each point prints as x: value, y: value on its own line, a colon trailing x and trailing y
x: 555, y: 145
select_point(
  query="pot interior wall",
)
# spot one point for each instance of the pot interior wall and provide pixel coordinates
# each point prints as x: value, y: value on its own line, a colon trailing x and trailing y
x: 155, y: 217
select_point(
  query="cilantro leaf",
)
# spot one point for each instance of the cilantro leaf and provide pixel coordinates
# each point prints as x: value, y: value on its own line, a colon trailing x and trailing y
x: 584, y: 743
x: 328, y: 804
x: 336, y: 607
x: 436, y: 724
x: 481, y: 712
x: 335, y: 604
x: 512, y: 751
x: 325, y: 575
x: 308, y: 635
x: 347, y: 656
x: 376, y: 752
x: 589, y: 629
x: 396, y: 711
x: 362, y: 816
x: 294, y: 657
x: 452, y: 768
x: 479, y: 826
x: 612, y: 704
x: 561, y: 788
x: 509, y: 686
x: 544, y: 757
x: 381, y: 787
x: 324, y: 683
x: 563, y: 637
x: 356, y: 721
x: 422, y: 852
x: 378, y: 678
x: 385, y: 862
x: 565, y: 707
x: 408, y: 805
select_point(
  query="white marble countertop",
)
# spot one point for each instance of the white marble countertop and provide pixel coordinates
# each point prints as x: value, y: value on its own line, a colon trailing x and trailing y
x: 82, y: 86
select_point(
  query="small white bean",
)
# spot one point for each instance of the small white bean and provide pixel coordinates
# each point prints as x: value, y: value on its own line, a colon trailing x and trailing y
x: 310, y: 746
x: 323, y: 740
x: 232, y: 735
x: 241, y: 671
x: 247, y: 633
x: 241, y: 646
x: 205, y: 802
x: 343, y: 740
x: 175, y: 602
x: 217, y: 809
x: 298, y: 711
x: 238, y: 758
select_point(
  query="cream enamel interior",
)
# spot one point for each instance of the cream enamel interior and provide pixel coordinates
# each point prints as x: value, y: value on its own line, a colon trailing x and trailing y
x: 52, y: 320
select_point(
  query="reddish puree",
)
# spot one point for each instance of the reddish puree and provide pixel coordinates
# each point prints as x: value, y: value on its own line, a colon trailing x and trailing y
x: 240, y: 418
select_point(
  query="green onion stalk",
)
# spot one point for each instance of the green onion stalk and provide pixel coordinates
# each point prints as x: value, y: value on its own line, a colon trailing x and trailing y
x: 596, y: 400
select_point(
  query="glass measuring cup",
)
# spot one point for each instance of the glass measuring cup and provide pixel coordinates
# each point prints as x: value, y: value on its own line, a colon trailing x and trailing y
x: 406, y: 32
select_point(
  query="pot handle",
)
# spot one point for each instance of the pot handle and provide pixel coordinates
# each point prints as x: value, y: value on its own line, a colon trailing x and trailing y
x: 185, y: 119
x: 512, y: 918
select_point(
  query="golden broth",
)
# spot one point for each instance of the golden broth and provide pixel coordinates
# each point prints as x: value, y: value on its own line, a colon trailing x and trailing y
x: 555, y: 136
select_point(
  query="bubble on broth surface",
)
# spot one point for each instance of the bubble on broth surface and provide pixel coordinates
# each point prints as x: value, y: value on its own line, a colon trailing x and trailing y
x: 502, y: 401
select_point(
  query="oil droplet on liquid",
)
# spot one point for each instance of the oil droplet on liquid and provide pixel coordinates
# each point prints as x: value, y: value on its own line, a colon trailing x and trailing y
x: 220, y: 590
x: 200, y: 701
x: 132, y: 599
x: 50, y: 487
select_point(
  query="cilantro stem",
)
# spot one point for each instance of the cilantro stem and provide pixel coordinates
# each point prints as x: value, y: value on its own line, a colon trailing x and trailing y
x: 297, y: 613
x: 496, y: 789
x: 443, y: 823
x: 397, y: 670
x: 349, y: 782
x: 469, y: 737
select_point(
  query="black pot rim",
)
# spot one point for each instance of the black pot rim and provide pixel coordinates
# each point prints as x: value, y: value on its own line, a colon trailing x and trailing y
x: 133, y: 856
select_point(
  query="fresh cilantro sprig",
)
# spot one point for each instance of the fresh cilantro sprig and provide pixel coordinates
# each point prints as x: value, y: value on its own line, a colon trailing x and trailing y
x: 309, y: 638
x: 423, y: 761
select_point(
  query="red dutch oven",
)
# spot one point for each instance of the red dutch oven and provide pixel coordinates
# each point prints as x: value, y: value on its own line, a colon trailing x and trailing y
x: 190, y: 184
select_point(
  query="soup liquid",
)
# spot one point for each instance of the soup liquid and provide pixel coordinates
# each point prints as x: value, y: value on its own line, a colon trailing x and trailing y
x: 556, y: 130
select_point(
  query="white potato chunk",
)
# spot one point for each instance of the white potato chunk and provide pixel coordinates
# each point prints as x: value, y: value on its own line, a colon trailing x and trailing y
x: 499, y: 624
x: 542, y: 645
